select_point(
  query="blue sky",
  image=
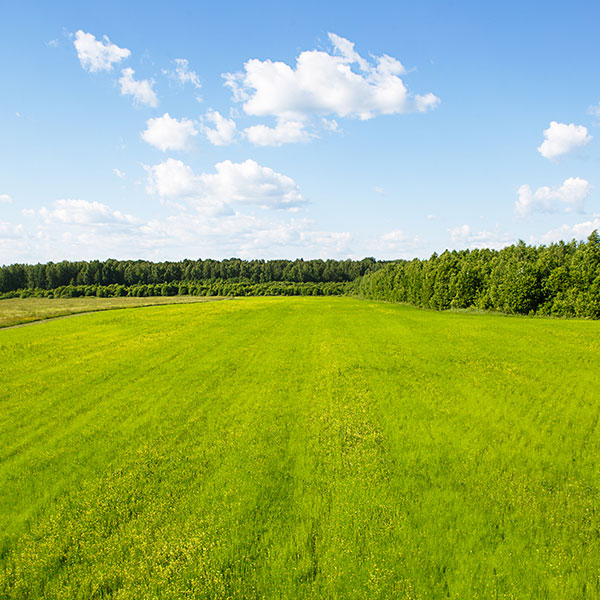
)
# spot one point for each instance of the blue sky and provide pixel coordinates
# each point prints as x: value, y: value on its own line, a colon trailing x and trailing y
x: 269, y: 129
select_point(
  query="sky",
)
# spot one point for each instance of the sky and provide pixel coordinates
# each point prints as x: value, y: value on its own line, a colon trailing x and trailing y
x: 176, y: 130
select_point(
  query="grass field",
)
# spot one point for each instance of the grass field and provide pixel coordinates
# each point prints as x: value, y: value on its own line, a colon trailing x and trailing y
x: 300, y: 448
x: 15, y: 311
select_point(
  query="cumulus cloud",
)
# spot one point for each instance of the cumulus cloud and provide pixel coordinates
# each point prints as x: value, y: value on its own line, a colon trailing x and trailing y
x: 426, y: 102
x: 82, y: 212
x: 167, y: 133
x: 5, y: 199
x: 190, y: 229
x: 579, y: 231
x: 223, y: 131
x: 9, y: 231
x: 88, y: 230
x: 345, y: 49
x: 463, y: 235
x: 173, y: 179
x: 141, y: 90
x: 243, y: 235
x: 74, y: 229
x: 340, y: 83
x: 562, y: 138
x: 183, y: 73
x: 570, y: 196
x: 460, y: 232
x: 395, y: 244
x: 285, y: 132
x: 246, y: 183
x: 394, y: 238
x: 119, y: 173
x: 95, y: 55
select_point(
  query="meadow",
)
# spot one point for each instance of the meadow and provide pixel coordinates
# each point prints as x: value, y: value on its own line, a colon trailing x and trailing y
x: 300, y: 447
x: 16, y: 311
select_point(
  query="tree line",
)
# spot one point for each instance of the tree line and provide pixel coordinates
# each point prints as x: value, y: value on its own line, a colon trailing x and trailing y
x: 51, y: 276
x: 217, y: 287
x: 561, y: 279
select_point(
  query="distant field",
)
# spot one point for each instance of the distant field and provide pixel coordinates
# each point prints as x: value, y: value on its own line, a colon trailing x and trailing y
x: 300, y: 448
x: 14, y: 311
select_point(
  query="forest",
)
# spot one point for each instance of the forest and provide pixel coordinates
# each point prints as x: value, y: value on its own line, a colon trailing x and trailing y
x: 561, y: 279
x: 51, y: 276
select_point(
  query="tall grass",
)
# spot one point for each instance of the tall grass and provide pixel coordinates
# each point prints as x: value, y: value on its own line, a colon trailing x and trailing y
x: 15, y: 311
x: 299, y: 448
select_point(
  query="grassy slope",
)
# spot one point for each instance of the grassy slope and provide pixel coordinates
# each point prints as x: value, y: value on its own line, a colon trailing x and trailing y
x: 14, y: 311
x: 299, y: 447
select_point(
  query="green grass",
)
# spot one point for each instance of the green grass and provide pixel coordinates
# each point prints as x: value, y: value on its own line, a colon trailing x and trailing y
x: 300, y: 448
x: 15, y: 311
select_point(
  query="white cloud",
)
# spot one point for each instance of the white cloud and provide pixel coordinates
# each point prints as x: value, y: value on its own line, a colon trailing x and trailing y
x: 167, y: 133
x: 172, y: 179
x: 224, y: 129
x: 342, y: 84
x: 460, y: 233
x: 379, y: 190
x: 330, y: 125
x: 53, y: 43
x: 141, y: 90
x: 463, y: 235
x: 82, y: 212
x: 396, y: 244
x: 328, y: 243
x: 119, y: 173
x: 267, y: 237
x: 393, y: 238
x: 183, y: 74
x: 562, y: 138
x: 285, y: 132
x: 243, y: 235
x: 13, y: 243
x: 74, y: 229
x: 88, y: 230
x: 246, y: 183
x: 191, y: 229
x: 490, y: 239
x: 95, y: 55
x: 250, y: 183
x: 8, y: 231
x: 579, y: 231
x: 426, y: 102
x: 5, y: 199
x: 570, y: 196
x: 594, y: 110
x: 345, y: 49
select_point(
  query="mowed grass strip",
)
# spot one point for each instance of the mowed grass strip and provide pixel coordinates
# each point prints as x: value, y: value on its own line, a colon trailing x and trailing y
x: 299, y: 448
x: 16, y: 311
